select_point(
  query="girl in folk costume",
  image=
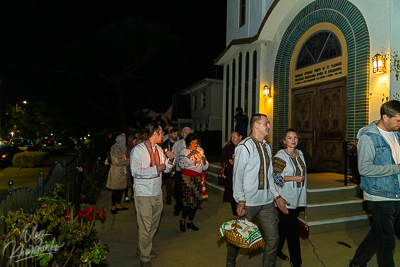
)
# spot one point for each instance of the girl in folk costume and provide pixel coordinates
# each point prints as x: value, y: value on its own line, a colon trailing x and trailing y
x: 117, y: 175
x: 192, y: 162
x: 290, y: 177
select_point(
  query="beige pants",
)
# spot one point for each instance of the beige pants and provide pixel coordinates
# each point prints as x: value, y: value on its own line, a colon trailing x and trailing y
x: 148, y: 214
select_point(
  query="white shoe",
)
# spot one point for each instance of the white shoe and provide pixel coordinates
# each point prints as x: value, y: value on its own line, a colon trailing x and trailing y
x: 127, y: 199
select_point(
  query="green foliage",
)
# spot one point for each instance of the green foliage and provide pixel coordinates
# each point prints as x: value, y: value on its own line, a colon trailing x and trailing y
x: 211, y: 143
x: 30, y: 159
x: 72, y: 237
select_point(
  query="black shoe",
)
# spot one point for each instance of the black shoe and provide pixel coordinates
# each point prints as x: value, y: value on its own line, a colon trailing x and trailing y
x: 176, y: 212
x: 192, y: 226
x: 168, y: 201
x: 352, y: 265
x: 121, y: 209
x: 182, y: 225
x: 114, y: 211
x: 282, y: 256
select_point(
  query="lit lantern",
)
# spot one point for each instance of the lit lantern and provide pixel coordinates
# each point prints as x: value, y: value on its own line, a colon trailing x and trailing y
x: 267, y: 91
x: 378, y: 64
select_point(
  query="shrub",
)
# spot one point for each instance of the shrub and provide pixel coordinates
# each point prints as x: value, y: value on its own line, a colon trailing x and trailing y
x: 30, y: 159
x: 55, y: 150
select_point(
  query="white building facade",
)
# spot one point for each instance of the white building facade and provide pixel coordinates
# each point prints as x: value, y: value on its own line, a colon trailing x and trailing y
x: 315, y: 57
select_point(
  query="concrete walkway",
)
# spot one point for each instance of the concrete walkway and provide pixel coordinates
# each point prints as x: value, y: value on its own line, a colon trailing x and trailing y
x: 202, y: 248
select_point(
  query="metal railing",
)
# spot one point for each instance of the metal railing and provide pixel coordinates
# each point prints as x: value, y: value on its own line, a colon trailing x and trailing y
x: 23, y: 198
x: 347, y: 158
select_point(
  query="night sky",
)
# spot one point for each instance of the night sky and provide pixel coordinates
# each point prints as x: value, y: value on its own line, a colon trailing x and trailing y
x: 35, y: 35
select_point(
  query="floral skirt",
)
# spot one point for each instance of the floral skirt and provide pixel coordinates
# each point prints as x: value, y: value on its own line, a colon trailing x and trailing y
x: 191, y: 191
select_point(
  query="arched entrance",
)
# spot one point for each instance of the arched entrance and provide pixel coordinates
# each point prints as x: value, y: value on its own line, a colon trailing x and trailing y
x: 349, y: 83
x: 318, y: 96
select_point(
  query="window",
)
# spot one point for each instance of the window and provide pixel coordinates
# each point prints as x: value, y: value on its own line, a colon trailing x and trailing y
x: 321, y: 46
x: 240, y: 81
x: 203, y: 99
x: 227, y: 104
x: 233, y: 90
x: 254, y: 89
x: 242, y: 12
x: 246, y: 83
x: 194, y: 103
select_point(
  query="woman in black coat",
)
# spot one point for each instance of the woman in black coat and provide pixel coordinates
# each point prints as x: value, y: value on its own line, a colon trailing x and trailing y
x: 227, y: 157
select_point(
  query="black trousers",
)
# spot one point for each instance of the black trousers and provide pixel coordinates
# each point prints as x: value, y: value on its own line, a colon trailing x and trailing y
x: 188, y: 211
x: 289, y: 229
x: 116, y: 196
x: 178, y: 191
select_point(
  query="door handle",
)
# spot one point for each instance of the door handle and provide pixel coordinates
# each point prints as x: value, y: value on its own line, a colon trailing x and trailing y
x: 315, y: 137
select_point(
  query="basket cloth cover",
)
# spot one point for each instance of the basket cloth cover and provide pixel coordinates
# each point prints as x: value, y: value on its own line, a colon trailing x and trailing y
x: 248, y: 230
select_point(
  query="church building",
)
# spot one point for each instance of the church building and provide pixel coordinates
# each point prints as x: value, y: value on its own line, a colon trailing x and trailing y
x: 321, y: 67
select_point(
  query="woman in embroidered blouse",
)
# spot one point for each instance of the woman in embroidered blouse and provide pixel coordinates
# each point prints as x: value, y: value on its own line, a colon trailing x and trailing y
x: 290, y: 177
x: 192, y: 162
x: 227, y: 158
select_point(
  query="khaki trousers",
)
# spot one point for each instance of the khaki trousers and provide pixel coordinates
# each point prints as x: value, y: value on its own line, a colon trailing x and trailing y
x: 148, y: 214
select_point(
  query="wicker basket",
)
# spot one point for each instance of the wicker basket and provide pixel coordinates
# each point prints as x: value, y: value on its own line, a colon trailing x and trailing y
x: 235, y: 238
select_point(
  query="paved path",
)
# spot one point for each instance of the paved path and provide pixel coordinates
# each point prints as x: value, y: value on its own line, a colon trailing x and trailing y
x: 192, y: 249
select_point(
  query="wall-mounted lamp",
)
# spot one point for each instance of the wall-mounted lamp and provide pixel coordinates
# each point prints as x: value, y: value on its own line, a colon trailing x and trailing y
x: 267, y: 91
x: 378, y: 64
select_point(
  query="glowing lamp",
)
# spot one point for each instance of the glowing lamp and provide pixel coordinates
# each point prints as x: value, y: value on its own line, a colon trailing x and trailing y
x: 378, y: 64
x: 267, y: 91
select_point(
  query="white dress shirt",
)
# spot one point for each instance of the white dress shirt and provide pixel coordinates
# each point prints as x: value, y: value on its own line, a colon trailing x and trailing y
x: 147, y: 180
x: 245, y: 175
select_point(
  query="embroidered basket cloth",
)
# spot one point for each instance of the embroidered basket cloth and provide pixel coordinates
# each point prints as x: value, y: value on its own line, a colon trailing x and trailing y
x: 241, y: 233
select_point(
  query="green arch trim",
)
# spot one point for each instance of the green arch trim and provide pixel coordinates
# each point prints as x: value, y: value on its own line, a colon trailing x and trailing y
x: 351, y: 23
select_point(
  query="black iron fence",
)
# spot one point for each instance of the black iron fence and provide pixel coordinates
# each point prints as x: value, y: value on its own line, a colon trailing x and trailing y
x: 350, y: 162
x: 23, y: 198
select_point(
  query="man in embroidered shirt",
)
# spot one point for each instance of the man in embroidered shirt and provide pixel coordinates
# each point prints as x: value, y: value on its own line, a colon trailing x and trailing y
x: 254, y: 188
x: 378, y: 153
x: 147, y: 164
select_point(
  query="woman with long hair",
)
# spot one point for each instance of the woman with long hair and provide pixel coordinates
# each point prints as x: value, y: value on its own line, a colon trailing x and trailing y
x: 117, y: 175
x: 290, y: 174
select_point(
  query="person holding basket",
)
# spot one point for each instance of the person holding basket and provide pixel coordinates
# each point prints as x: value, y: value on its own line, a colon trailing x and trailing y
x: 254, y: 188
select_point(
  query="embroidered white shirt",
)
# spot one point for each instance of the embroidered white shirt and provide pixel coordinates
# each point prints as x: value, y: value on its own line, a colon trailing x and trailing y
x: 194, y: 163
x: 147, y: 181
x: 245, y: 175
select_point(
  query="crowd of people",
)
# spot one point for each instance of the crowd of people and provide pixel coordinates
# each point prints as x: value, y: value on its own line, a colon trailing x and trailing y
x: 258, y: 184
x: 143, y: 162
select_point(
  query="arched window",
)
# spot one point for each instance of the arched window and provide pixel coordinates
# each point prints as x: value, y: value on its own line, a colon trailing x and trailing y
x: 233, y: 90
x: 240, y: 80
x: 320, y: 46
x: 246, y: 83
x: 254, y: 89
x: 227, y: 104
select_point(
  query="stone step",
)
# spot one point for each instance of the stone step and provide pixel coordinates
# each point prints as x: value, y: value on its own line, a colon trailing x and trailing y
x: 335, y: 222
x: 334, y: 206
x: 214, y: 168
x: 332, y: 193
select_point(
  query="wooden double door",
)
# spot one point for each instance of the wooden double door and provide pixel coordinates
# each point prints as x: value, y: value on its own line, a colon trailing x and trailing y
x: 319, y: 115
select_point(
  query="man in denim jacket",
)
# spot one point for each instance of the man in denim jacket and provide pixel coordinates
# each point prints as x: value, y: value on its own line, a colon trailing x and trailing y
x: 378, y: 163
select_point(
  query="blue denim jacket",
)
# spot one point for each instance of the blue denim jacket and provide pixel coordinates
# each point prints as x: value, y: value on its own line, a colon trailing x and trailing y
x: 387, y: 186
